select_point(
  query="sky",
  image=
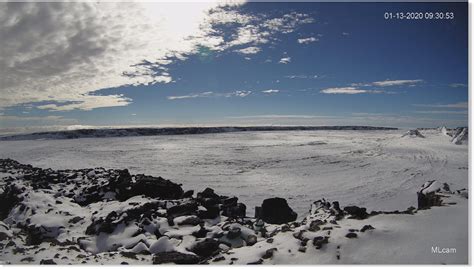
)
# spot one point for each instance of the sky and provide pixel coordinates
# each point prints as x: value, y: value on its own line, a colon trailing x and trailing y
x: 74, y: 65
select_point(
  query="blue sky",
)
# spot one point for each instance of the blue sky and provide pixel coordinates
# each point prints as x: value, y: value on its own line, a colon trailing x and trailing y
x: 254, y: 64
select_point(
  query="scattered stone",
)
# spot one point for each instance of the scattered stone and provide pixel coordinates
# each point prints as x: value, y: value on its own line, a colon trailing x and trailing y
x: 320, y: 241
x: 302, y: 249
x: 351, y: 235
x: 269, y: 253
x: 175, y: 257
x: 260, y: 261
x: 367, y: 227
x: 50, y: 261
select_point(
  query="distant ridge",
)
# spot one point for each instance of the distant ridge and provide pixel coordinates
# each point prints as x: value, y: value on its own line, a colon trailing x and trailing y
x: 125, y: 132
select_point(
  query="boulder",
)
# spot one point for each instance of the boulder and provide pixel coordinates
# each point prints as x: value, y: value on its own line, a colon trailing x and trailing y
x: 211, y: 212
x: 320, y: 241
x: 428, y: 195
x: 367, y: 227
x: 9, y: 198
x: 175, y: 257
x: 277, y: 211
x: 356, y: 212
x: 189, y: 208
x: 206, y: 248
x: 351, y: 235
x: 237, y: 211
x: 153, y: 187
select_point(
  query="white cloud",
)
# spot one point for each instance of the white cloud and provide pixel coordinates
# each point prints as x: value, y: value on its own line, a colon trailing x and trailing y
x: 348, y: 90
x: 211, y: 94
x: 307, y: 40
x: 302, y: 76
x: 285, y: 60
x: 388, y: 83
x: 458, y: 85
x: 271, y: 91
x: 459, y: 105
x: 89, y: 102
x: 59, y: 54
x: 239, y: 93
x: 198, y: 95
x: 249, y: 50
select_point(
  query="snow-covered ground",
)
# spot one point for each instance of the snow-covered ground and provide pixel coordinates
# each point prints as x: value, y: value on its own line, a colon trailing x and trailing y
x: 380, y: 170
x: 377, y: 169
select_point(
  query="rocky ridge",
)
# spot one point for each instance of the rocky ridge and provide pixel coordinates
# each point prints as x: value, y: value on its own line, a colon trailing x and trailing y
x: 110, y: 216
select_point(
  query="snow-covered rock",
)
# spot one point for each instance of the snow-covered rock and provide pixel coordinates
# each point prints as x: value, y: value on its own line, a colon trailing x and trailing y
x: 413, y: 133
x: 460, y: 136
x: 44, y: 224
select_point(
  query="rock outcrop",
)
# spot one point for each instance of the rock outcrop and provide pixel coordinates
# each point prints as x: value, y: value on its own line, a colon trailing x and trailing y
x: 276, y: 211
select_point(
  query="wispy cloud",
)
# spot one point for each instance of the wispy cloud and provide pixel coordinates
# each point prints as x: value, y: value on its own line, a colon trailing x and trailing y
x: 307, y: 40
x: 388, y: 83
x: 458, y: 85
x: 197, y: 95
x: 348, y: 90
x: 459, y: 105
x: 285, y: 60
x: 211, y: 94
x: 303, y: 76
x: 249, y: 50
x: 271, y: 91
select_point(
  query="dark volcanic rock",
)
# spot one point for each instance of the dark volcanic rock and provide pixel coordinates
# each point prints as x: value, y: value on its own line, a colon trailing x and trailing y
x: 153, y: 187
x: 138, y: 214
x: 175, y: 257
x: 356, y: 212
x: 120, y: 182
x: 50, y: 261
x: 277, y: 211
x: 367, y: 227
x: 212, y: 212
x: 189, y: 208
x: 428, y: 197
x: 9, y: 199
x: 269, y: 253
x: 237, y: 211
x: 206, y: 248
x: 320, y: 241
x: 351, y: 235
